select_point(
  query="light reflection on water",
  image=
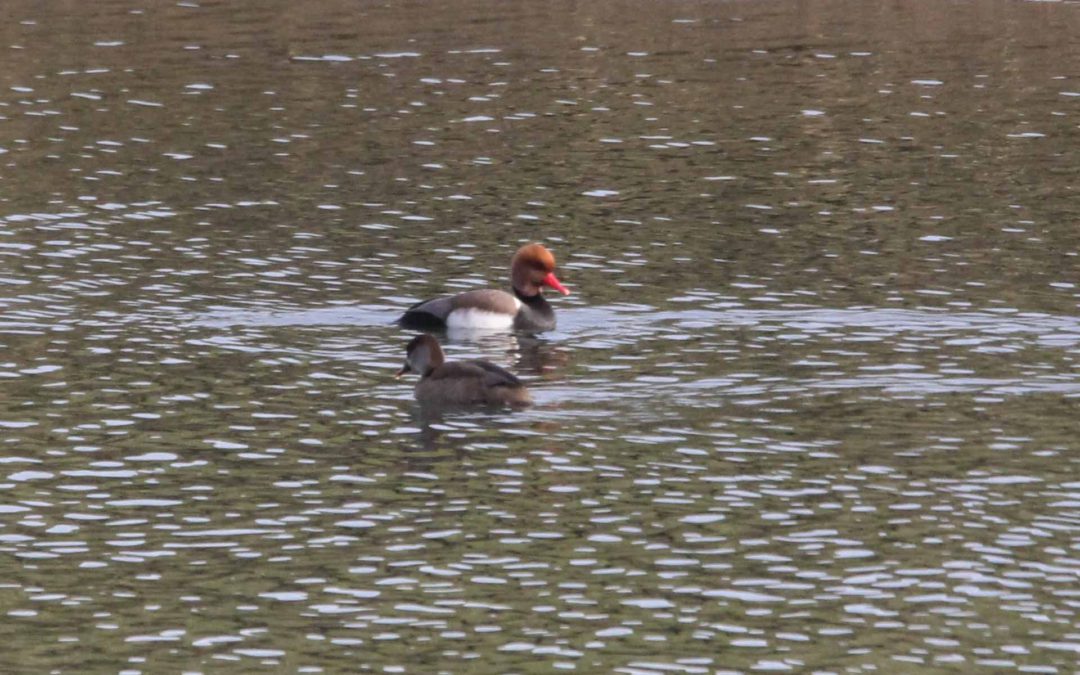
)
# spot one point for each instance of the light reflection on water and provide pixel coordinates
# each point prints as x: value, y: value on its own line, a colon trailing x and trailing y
x: 810, y: 407
x: 618, y: 506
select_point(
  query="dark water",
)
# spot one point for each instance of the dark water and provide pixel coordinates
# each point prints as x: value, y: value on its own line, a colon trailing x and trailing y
x: 811, y: 407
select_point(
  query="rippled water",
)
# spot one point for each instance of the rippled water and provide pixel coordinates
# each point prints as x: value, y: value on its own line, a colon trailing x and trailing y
x: 811, y: 405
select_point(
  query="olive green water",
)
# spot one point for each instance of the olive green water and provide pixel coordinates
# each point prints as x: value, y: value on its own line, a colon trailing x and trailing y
x: 811, y: 407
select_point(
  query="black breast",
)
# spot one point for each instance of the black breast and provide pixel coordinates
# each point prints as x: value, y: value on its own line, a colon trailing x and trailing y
x: 535, y: 314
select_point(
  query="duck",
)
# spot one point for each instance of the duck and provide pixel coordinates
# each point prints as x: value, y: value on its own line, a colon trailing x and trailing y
x: 459, y: 383
x: 526, y: 309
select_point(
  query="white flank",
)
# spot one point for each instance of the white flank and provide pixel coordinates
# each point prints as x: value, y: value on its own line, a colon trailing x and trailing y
x: 478, y: 319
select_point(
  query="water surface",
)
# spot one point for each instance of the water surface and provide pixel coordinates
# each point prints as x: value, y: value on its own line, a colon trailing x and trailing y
x: 810, y: 407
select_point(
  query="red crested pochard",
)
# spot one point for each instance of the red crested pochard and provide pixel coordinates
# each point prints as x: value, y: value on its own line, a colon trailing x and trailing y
x: 459, y: 383
x: 531, y: 268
